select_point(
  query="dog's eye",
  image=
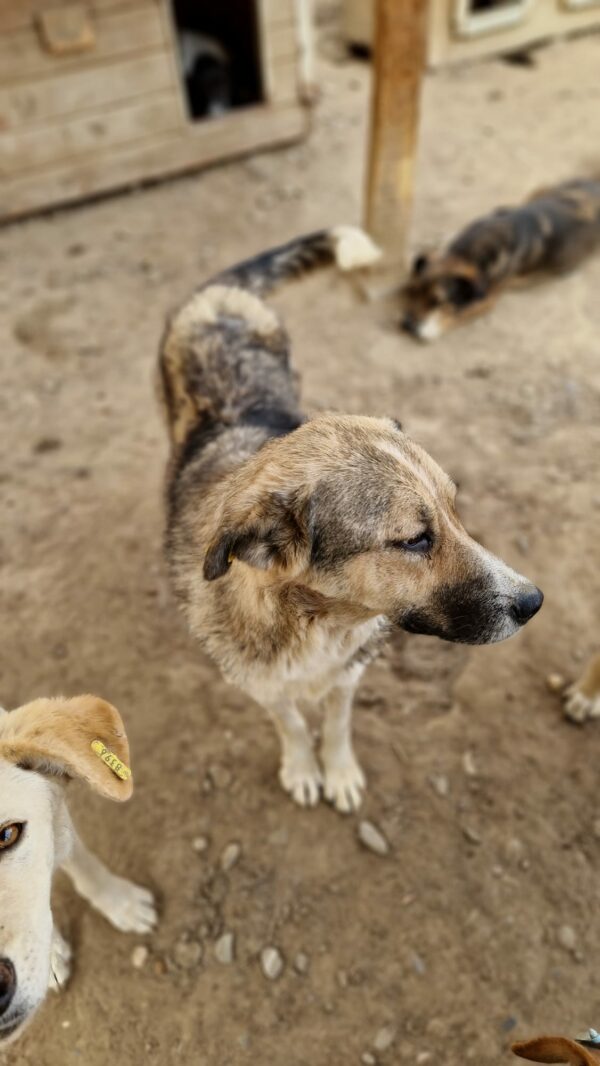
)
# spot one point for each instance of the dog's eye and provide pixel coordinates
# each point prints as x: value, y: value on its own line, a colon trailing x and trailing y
x: 10, y: 834
x: 420, y: 544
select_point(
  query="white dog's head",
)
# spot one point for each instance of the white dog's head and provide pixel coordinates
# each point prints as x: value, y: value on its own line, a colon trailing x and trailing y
x: 42, y: 744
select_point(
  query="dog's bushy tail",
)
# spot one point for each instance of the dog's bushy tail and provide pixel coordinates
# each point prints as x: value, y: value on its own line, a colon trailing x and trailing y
x: 225, y: 355
x: 348, y: 247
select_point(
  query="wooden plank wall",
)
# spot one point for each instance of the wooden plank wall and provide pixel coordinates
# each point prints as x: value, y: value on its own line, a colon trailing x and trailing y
x: 75, y: 125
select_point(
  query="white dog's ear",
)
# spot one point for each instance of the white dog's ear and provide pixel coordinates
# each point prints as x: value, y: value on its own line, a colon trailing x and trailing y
x: 59, y: 736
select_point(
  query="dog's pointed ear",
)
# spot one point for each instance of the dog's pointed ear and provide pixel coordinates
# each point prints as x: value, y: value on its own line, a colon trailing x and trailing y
x: 557, y: 1049
x: 275, y: 534
x: 420, y: 264
x: 55, y: 736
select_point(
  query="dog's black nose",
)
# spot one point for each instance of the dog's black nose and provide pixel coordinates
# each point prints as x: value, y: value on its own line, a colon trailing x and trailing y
x: 526, y: 604
x: 8, y: 984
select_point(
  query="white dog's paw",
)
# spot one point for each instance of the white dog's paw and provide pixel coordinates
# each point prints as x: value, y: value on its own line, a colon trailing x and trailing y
x: 344, y: 782
x: 60, y: 962
x: 128, y: 907
x: 579, y: 707
x: 301, y: 777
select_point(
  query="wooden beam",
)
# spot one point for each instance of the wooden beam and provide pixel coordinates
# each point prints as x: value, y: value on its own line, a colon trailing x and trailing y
x: 400, y: 43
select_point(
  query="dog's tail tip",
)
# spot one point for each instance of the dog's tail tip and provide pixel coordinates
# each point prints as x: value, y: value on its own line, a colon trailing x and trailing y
x: 353, y: 248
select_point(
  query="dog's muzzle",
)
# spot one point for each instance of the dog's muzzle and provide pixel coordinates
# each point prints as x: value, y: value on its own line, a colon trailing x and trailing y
x: 474, y: 614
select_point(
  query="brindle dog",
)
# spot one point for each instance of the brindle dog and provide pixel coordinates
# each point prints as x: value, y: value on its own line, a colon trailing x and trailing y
x: 295, y: 543
x: 550, y: 233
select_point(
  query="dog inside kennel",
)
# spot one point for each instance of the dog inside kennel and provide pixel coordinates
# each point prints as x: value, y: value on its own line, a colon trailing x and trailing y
x: 219, y: 55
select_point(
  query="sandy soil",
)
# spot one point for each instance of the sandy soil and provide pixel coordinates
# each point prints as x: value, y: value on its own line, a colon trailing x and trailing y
x: 451, y: 945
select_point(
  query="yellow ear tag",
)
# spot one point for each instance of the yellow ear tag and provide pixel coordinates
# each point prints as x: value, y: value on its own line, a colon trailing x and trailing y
x: 230, y: 557
x: 112, y: 761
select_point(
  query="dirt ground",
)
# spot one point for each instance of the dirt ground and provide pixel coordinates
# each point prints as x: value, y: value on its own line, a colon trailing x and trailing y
x: 453, y: 944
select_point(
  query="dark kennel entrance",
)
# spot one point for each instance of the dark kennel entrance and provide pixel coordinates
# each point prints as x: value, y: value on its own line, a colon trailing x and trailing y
x: 219, y: 55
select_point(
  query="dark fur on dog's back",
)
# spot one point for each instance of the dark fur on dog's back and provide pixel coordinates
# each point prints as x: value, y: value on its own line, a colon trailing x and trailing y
x: 551, y: 232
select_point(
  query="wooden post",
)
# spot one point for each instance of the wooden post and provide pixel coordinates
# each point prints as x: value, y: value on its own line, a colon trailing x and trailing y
x: 400, y: 41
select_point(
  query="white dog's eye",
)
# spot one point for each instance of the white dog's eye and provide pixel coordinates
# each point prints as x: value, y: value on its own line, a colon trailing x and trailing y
x: 420, y: 544
x: 9, y: 834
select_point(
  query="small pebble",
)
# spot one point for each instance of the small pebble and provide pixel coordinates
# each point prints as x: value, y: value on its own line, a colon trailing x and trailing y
x: 440, y: 784
x: 139, y: 956
x: 271, y: 961
x: 567, y: 937
x: 66, y: 1024
x: 301, y: 963
x: 514, y: 850
x: 230, y: 856
x: 187, y: 954
x: 469, y: 765
x: 555, y: 682
x: 423, y: 1057
x: 471, y: 834
x: 221, y: 776
x: 384, y: 1038
x: 372, y: 838
x: 224, y: 949
x: 200, y: 844
x: 368, y: 1059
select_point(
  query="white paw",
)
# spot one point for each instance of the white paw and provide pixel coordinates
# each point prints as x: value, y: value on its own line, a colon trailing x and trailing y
x: 344, y: 783
x: 578, y: 707
x: 128, y: 907
x: 302, y: 778
x: 60, y: 962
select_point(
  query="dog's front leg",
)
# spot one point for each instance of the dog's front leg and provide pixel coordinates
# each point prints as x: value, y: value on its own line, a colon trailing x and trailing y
x: 299, y: 773
x: 582, y: 700
x: 344, y: 779
x: 126, y: 906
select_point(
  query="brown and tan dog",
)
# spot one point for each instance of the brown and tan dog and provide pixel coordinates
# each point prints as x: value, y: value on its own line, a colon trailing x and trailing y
x: 550, y: 233
x: 295, y: 544
x: 559, y: 1049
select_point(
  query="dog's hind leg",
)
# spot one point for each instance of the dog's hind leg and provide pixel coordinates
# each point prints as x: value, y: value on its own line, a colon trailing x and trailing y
x: 583, y: 698
x: 126, y: 906
x: 299, y: 773
x: 344, y: 779
x: 60, y: 962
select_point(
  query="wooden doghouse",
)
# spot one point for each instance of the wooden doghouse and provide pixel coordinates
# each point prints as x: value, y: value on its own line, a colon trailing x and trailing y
x: 93, y: 94
x: 461, y: 30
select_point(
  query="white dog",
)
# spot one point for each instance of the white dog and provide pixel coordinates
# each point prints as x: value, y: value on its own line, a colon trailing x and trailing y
x: 42, y: 745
